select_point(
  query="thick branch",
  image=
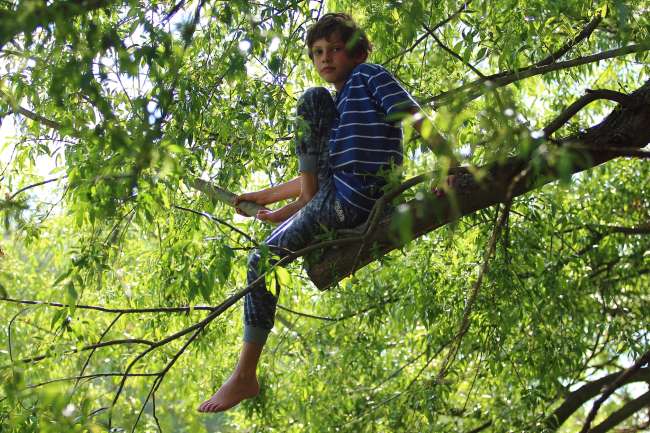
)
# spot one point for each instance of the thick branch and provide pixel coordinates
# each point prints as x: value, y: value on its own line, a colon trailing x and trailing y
x: 580, y: 396
x: 590, y: 96
x: 643, y: 229
x: 609, y: 390
x: 623, y: 128
x: 629, y: 409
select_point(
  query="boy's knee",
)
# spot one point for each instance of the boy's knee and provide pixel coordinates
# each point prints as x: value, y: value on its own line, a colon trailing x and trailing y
x: 253, y: 259
x: 314, y: 97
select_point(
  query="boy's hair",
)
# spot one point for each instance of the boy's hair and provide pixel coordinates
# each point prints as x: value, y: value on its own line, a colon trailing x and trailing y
x: 356, y: 41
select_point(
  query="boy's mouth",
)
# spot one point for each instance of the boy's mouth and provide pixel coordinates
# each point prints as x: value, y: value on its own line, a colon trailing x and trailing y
x: 327, y: 69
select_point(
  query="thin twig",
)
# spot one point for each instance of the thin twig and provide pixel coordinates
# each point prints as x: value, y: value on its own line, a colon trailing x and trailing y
x: 452, y: 52
x: 310, y: 316
x: 85, y: 348
x: 28, y: 187
x: 101, y: 337
x: 584, y: 34
x: 218, y: 220
x: 184, y: 309
x: 470, y: 91
x: 88, y: 376
x: 473, y: 294
x: 460, y: 10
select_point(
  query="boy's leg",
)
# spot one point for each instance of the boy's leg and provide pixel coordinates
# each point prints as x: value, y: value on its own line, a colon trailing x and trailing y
x: 316, y: 109
x: 260, y: 304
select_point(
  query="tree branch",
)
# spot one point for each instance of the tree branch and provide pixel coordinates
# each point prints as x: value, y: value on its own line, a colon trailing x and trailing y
x: 85, y: 348
x: 590, y: 96
x: 460, y: 10
x: 217, y: 220
x: 470, y: 91
x: 28, y: 187
x: 473, y: 293
x: 451, y: 52
x: 614, y: 151
x: 101, y: 338
x: 629, y: 409
x: 584, y: 34
x: 609, y: 390
x: 574, y: 400
x: 643, y: 229
x: 30, y: 114
x: 184, y: 309
x: 88, y: 376
x: 217, y: 194
x: 481, y: 427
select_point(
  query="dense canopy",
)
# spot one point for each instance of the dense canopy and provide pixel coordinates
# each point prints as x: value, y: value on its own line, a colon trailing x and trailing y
x: 518, y: 301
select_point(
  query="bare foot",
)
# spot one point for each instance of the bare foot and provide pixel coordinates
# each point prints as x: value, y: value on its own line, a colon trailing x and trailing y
x: 231, y: 393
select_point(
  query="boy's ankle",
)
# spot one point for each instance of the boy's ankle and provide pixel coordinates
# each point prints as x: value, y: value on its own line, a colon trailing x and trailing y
x: 244, y: 374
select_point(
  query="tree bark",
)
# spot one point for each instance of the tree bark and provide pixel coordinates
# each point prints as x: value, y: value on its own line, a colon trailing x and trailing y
x: 625, y: 127
x: 623, y: 413
x: 580, y: 396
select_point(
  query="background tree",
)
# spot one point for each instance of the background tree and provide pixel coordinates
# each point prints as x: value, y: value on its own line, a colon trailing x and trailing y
x: 120, y: 282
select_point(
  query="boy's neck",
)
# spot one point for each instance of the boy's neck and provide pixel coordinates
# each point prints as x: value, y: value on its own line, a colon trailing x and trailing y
x: 340, y: 85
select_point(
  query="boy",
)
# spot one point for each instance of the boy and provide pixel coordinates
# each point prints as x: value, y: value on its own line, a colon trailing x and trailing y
x: 346, y: 146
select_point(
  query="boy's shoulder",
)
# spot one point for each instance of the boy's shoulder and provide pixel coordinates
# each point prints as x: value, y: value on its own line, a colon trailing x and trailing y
x: 368, y: 69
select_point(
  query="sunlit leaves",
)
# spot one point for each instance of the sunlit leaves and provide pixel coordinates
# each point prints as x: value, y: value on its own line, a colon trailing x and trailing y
x: 144, y: 103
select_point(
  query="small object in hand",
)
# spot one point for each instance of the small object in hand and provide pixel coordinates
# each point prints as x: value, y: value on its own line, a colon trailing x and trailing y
x: 440, y: 192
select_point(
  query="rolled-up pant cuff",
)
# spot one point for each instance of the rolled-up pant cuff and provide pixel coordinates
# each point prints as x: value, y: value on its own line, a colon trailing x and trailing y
x: 254, y: 334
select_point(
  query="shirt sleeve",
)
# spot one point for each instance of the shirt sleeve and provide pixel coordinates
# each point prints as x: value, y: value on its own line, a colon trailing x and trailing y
x: 388, y: 93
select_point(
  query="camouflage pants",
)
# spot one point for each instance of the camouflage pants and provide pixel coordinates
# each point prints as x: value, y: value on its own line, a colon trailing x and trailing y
x: 323, y: 212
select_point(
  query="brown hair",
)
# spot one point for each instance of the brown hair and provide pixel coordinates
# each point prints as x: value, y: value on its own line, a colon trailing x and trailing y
x: 356, y: 41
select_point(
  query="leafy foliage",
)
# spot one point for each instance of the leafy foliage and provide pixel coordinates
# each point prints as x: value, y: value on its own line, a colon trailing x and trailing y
x: 119, y: 104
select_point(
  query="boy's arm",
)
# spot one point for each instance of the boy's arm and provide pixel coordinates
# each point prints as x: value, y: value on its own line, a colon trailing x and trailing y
x: 273, y: 194
x: 308, y: 186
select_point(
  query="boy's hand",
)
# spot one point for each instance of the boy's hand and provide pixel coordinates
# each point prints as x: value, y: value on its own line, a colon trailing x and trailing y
x: 270, y: 216
x: 253, y: 197
x: 440, y: 191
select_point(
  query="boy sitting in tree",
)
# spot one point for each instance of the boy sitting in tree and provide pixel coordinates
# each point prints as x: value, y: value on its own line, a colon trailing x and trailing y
x: 344, y: 144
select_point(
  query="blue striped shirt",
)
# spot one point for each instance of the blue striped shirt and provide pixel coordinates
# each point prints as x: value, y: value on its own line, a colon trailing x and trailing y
x: 364, y: 143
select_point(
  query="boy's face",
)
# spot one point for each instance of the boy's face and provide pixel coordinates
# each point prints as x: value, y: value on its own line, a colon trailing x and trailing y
x: 333, y: 62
